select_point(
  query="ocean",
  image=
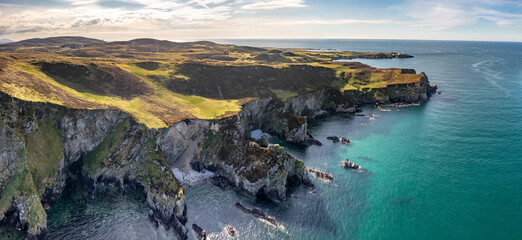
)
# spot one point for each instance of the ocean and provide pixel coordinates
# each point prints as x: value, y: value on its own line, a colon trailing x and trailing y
x: 448, y: 169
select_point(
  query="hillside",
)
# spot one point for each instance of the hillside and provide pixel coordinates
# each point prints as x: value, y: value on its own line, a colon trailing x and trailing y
x: 161, y: 82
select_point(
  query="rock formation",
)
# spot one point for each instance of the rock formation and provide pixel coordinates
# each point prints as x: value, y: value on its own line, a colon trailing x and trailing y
x: 201, y: 234
x: 349, y: 164
x: 321, y: 175
x: 256, y: 212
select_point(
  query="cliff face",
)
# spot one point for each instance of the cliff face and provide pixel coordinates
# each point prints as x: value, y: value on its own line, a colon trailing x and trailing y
x: 252, y: 169
x: 408, y: 92
x: 181, y: 142
x: 39, y: 142
x: 129, y: 156
x: 288, y: 120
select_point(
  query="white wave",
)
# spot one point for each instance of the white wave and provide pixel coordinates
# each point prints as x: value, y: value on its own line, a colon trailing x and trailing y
x: 191, y: 177
x: 486, y: 67
x: 477, y: 64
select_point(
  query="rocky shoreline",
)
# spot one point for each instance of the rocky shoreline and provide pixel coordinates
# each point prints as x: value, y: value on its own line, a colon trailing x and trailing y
x: 113, y: 150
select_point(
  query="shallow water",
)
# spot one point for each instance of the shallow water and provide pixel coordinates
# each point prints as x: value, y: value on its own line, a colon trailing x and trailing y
x: 448, y: 169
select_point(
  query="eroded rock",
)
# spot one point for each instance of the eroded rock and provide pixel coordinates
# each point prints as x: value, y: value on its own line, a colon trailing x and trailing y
x: 201, y: 234
x: 321, y: 175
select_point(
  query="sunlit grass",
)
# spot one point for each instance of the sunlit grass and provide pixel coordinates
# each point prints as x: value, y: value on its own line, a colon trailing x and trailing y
x: 151, y: 109
x: 158, y: 106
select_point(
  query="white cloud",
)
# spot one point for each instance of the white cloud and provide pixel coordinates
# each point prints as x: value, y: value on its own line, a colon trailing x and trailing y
x: 205, y: 3
x: 81, y: 2
x: 331, y: 22
x: 204, y: 19
x: 275, y: 4
x: 156, y: 14
x: 440, y: 16
x: 443, y: 14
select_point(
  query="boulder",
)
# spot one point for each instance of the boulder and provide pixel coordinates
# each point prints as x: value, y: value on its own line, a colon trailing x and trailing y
x: 345, y: 140
x: 231, y: 231
x: 349, y: 164
x: 201, y: 234
x: 321, y: 175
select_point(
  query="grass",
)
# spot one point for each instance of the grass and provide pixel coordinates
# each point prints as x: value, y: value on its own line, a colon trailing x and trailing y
x: 157, y: 110
x: 284, y: 94
x: 36, y: 215
x: 211, y: 139
x: 348, y: 87
x: 144, y: 73
x: 162, y: 106
x: 19, y: 183
x: 22, y: 184
x: 154, y: 172
x: 44, y: 152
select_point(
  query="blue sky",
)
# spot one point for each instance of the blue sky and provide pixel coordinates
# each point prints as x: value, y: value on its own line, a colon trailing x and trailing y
x: 486, y: 20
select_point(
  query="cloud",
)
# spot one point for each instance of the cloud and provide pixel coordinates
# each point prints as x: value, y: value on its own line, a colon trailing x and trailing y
x: 331, y: 22
x: 275, y: 4
x: 155, y: 14
x: 205, y: 3
x: 120, y: 4
x: 204, y: 19
x: 81, y: 2
x: 443, y: 14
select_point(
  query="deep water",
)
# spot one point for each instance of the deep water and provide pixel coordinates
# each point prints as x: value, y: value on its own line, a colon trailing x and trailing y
x: 448, y: 169
x: 110, y: 216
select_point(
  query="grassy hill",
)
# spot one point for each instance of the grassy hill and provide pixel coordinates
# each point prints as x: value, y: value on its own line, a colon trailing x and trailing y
x: 163, y: 82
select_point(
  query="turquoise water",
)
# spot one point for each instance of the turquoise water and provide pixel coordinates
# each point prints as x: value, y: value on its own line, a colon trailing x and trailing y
x: 448, y: 169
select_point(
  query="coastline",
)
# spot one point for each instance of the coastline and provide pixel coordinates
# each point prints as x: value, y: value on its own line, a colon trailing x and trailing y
x: 112, y: 148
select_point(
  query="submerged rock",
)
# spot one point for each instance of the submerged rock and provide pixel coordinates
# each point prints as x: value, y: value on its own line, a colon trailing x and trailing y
x: 333, y: 138
x: 258, y: 213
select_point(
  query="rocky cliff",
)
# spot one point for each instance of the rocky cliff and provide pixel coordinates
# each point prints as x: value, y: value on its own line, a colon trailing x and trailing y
x: 40, y: 142
x: 254, y: 170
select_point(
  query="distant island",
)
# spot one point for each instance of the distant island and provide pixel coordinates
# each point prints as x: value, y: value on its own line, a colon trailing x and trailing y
x: 123, y: 114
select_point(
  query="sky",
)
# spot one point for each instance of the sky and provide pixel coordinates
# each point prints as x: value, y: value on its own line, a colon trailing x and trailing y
x: 481, y: 20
